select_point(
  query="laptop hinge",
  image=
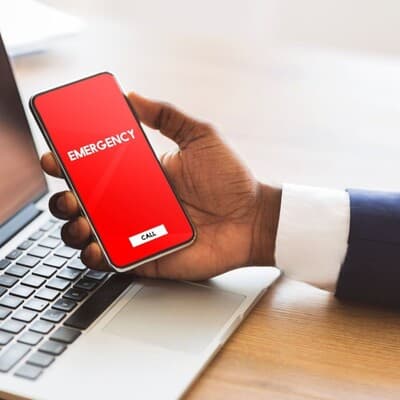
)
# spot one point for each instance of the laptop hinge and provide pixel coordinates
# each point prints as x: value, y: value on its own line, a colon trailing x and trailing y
x: 17, y: 222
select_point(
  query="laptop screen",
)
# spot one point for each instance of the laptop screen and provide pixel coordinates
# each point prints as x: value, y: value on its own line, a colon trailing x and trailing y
x: 21, y: 178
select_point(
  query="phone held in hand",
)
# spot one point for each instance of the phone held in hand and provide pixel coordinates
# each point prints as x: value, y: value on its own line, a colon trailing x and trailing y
x: 114, y: 173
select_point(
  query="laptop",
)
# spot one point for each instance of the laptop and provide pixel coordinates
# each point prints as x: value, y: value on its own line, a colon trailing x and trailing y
x: 67, y: 332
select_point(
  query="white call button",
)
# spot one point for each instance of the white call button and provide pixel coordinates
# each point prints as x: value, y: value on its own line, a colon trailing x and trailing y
x: 147, y: 236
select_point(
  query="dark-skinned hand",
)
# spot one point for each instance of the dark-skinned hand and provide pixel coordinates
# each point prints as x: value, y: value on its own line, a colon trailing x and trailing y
x: 235, y: 216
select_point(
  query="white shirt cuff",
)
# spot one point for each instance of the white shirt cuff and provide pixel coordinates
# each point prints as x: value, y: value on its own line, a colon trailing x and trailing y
x: 312, y: 234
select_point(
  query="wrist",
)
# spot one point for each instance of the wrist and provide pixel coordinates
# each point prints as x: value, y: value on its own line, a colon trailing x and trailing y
x: 266, y: 225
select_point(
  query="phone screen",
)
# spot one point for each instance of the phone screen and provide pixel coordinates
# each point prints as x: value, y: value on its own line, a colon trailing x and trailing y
x: 113, y: 170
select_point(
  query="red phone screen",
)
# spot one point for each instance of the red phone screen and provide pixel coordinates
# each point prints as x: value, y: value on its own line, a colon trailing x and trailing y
x: 113, y: 170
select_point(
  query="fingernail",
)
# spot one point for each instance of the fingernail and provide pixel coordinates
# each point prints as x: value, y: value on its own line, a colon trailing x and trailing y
x: 62, y: 204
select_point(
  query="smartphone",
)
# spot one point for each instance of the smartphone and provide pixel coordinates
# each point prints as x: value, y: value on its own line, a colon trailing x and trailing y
x: 109, y: 164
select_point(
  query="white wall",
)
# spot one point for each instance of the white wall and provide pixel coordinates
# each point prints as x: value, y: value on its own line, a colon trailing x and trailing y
x: 366, y: 25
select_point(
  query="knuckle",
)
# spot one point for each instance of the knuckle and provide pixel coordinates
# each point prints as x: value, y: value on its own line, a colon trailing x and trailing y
x: 166, y: 115
x: 207, y: 127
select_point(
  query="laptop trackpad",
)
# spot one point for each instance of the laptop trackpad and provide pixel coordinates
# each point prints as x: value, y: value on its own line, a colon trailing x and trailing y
x: 175, y: 315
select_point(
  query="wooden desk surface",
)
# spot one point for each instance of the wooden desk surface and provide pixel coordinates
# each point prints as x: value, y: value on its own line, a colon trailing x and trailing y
x: 311, y: 117
x: 301, y: 343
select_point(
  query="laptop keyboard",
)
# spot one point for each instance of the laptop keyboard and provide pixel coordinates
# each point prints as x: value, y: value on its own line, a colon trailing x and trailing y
x: 47, y: 298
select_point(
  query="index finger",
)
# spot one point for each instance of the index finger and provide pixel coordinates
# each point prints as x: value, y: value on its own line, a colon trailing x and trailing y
x: 171, y: 122
x: 50, y: 165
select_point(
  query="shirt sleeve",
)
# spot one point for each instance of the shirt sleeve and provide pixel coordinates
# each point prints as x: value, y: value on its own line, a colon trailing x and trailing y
x: 313, y: 230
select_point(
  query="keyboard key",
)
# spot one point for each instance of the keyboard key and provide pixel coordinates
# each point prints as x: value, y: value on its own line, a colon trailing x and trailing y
x: 47, y: 226
x: 37, y: 235
x: 3, y: 290
x: 53, y: 315
x: 4, y: 263
x: 69, y: 274
x: 96, y: 275
x: 56, y: 233
x: 64, y: 304
x: 12, y: 355
x: 33, y: 281
x: 17, y: 271
x: 66, y: 252
x: 52, y: 347
x: 36, y: 305
x: 49, y: 242
x: 40, y: 326
x: 55, y: 261
x: 77, y: 264
x: 10, y: 302
x: 25, y: 245
x: 28, y: 372
x: 22, y: 291
x: 24, y: 315
x: 95, y: 305
x: 14, y: 254
x: 30, y: 338
x: 75, y: 294
x: 4, y: 312
x: 28, y: 261
x: 41, y: 360
x: 86, y: 284
x: 65, y: 335
x: 58, y: 284
x: 47, y: 294
x: 44, y: 271
x: 40, y: 252
x: 12, y: 326
x: 5, y: 338
x: 8, y: 281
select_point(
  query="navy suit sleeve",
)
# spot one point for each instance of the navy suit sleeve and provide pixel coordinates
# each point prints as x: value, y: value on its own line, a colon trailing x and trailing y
x: 371, y: 269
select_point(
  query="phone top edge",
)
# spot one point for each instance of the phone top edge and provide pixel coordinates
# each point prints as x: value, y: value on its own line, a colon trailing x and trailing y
x: 43, y: 92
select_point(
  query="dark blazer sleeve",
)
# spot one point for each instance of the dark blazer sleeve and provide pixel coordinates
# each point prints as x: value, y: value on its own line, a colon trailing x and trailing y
x: 371, y: 270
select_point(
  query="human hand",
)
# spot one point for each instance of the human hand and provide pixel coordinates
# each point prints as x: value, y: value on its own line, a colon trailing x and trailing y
x: 235, y: 216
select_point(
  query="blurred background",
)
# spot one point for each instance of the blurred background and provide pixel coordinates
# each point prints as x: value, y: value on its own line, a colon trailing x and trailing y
x: 305, y: 91
x: 360, y: 25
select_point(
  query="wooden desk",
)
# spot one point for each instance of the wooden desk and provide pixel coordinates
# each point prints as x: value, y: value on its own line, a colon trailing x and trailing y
x: 301, y: 343
x: 311, y: 117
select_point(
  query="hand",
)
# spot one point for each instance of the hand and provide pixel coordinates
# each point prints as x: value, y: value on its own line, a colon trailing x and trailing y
x: 235, y: 216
